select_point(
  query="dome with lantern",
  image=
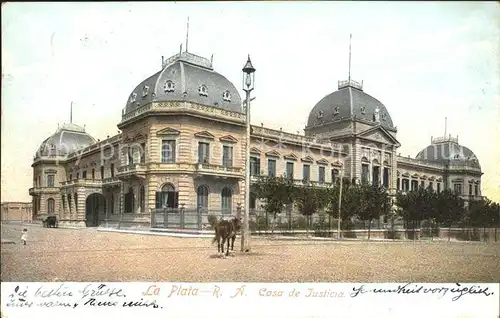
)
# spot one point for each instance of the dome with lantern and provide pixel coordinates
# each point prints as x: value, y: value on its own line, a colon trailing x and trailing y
x: 186, y: 77
x: 349, y: 102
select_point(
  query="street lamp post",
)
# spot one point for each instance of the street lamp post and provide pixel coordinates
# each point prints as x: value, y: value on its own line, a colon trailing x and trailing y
x: 340, y: 205
x: 248, y: 86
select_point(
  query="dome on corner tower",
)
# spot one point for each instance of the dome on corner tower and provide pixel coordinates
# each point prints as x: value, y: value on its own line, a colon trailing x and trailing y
x: 67, y: 139
x: 448, y: 150
x: 186, y: 77
x: 349, y: 101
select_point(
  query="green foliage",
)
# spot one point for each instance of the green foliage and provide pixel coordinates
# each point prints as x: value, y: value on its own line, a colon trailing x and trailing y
x: 374, y: 203
x: 275, y: 191
x: 309, y: 199
x: 424, y: 204
x: 351, y: 198
x: 483, y: 213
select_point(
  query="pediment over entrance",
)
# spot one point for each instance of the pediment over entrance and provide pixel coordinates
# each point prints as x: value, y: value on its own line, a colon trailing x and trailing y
x: 379, y: 134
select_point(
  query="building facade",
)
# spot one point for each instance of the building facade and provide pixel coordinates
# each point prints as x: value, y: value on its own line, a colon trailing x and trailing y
x: 182, y: 145
x: 16, y: 212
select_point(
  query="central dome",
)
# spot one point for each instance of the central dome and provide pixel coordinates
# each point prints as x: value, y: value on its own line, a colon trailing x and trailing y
x: 349, y: 102
x: 186, y: 77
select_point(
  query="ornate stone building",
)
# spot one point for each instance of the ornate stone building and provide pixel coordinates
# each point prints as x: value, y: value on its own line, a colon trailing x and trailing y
x: 182, y: 144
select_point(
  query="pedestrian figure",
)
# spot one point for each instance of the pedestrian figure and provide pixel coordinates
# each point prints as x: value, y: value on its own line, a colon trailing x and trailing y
x: 24, y: 237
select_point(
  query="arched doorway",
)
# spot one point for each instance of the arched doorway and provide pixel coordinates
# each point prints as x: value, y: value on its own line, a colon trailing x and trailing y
x: 202, y: 197
x: 226, y: 200
x: 94, y: 206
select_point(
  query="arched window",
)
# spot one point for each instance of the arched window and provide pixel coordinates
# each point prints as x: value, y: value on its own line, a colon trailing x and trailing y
x: 226, y: 200
x: 50, y: 206
x: 168, y: 197
x: 202, y: 197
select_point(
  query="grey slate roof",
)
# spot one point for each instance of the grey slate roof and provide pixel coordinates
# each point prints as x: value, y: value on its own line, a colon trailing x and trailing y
x: 187, y: 72
x: 448, y: 151
x: 349, y: 101
x: 67, y: 139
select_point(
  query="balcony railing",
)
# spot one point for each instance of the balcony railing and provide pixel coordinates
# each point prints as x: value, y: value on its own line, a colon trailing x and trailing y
x: 82, y: 182
x: 110, y: 180
x: 131, y: 169
x: 225, y: 171
x: 39, y: 190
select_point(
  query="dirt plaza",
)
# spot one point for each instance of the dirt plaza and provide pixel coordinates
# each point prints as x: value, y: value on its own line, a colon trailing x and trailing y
x: 91, y: 255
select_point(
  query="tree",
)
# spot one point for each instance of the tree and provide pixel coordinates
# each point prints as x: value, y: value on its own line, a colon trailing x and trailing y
x: 276, y: 192
x: 449, y: 208
x: 309, y: 199
x: 351, y: 197
x: 374, y: 203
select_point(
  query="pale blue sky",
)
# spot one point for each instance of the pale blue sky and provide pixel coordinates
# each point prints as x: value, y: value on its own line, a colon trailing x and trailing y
x: 424, y: 61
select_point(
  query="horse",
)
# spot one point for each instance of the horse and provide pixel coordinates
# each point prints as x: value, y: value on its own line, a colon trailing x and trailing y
x: 224, y: 231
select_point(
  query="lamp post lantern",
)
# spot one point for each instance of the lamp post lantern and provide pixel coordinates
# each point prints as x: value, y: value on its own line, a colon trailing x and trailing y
x: 248, y: 86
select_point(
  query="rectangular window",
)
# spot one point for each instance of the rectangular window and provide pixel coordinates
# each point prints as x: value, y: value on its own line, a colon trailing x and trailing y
x: 50, y: 180
x: 457, y: 187
x: 102, y: 172
x: 112, y: 168
x: 470, y: 189
x: 168, y: 151
x: 422, y: 184
x: 203, y: 152
x: 376, y: 175
x: 335, y: 175
x: 476, y: 189
x: 93, y: 174
x: 143, y: 152
x: 398, y: 184
x: 431, y: 185
x: 84, y: 174
x: 364, y: 174
x: 77, y: 175
x: 306, y: 173
x: 289, y: 170
x: 227, y: 156
x: 414, y: 185
x: 130, y: 155
x: 271, y: 167
x: 438, y: 187
x: 70, y: 177
x: 321, y: 175
x: 385, y: 182
x: 254, y: 166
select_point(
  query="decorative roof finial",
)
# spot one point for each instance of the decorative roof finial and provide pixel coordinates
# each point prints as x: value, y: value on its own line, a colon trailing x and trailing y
x: 162, y: 61
x: 187, y: 35
x: 212, y: 59
x: 71, y: 113
x: 180, y: 50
